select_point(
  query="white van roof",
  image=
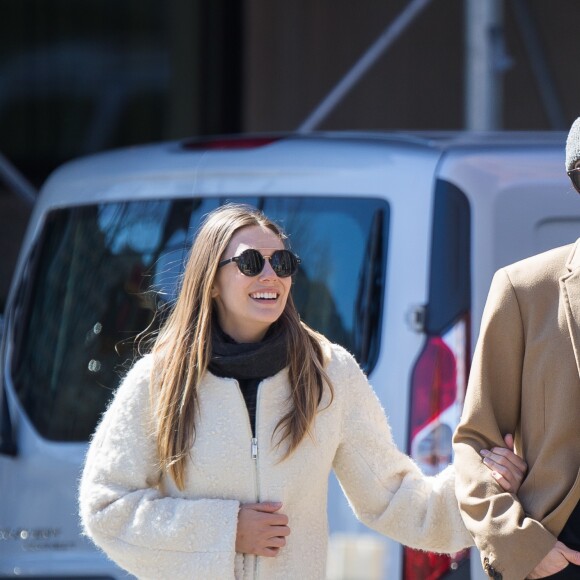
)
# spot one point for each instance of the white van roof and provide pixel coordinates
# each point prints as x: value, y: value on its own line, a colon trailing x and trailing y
x: 179, y: 162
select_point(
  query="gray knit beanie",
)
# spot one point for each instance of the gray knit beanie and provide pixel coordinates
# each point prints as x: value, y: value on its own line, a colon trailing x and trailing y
x: 573, y: 145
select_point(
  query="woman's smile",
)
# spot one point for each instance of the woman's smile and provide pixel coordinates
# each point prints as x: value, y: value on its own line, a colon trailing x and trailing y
x: 267, y: 296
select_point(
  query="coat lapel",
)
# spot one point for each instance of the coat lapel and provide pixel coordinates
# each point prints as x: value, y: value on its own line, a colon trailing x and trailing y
x: 570, y: 290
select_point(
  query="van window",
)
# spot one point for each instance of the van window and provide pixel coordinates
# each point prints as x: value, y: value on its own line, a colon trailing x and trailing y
x: 99, y: 272
x: 450, y: 276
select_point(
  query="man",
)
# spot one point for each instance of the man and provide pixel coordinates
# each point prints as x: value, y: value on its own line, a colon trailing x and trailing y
x: 525, y: 379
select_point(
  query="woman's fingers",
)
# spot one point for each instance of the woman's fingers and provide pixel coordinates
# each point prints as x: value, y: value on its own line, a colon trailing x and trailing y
x: 509, y: 441
x: 507, y: 478
x: 271, y: 547
x: 276, y: 542
x: 505, y: 455
x: 504, y: 477
x: 280, y: 530
x: 262, y: 529
x: 504, y: 464
x: 508, y: 469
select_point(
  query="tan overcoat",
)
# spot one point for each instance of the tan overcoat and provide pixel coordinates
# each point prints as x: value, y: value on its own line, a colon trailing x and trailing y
x: 524, y: 380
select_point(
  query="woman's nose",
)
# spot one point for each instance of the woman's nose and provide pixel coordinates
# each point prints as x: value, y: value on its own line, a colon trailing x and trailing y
x: 267, y: 272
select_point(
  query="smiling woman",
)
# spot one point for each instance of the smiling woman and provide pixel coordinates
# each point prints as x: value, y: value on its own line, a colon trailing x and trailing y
x: 213, y: 459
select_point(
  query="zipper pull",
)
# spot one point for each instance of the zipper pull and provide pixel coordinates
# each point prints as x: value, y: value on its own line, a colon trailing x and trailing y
x: 254, y: 448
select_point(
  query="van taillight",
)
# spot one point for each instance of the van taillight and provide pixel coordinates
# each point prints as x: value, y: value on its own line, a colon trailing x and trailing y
x: 438, y: 387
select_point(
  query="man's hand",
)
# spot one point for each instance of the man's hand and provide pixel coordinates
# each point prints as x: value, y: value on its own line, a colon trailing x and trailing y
x: 555, y: 560
x: 506, y: 467
x: 261, y: 529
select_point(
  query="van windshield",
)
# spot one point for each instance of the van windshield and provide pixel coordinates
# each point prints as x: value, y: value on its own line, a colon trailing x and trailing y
x: 99, y: 272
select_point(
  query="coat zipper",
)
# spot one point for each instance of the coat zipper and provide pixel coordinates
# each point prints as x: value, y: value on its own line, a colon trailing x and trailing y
x: 254, y: 448
x: 255, y: 459
x: 253, y: 453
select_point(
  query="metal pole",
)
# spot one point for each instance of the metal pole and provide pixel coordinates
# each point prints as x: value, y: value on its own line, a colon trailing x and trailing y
x: 539, y: 64
x: 395, y: 29
x: 486, y: 60
x: 16, y: 181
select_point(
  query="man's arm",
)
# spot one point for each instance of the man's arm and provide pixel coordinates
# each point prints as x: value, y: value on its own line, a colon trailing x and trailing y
x: 510, y: 542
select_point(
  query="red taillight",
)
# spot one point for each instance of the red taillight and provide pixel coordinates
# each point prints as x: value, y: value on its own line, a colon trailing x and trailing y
x: 434, y: 384
x: 228, y: 143
x: 429, y: 566
x: 437, y: 391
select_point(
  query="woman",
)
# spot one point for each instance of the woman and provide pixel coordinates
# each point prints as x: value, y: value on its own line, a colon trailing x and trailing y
x: 221, y: 441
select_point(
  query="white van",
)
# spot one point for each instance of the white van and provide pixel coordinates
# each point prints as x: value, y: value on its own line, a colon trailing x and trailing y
x: 399, y: 236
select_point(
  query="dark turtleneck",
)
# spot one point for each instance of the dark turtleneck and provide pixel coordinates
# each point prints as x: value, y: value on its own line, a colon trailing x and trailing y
x: 248, y: 363
x: 570, y: 535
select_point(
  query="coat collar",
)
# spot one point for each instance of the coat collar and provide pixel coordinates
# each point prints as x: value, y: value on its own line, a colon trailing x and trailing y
x: 573, y: 261
x: 570, y: 294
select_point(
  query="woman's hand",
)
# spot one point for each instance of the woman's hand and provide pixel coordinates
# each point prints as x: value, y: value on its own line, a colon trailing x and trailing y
x: 262, y: 530
x: 506, y: 467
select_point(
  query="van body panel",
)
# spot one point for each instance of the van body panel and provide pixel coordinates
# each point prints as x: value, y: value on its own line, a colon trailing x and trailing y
x: 524, y: 205
x: 519, y: 202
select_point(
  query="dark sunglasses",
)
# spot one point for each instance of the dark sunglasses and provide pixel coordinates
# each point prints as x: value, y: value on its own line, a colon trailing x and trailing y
x: 251, y: 262
x: 574, y: 175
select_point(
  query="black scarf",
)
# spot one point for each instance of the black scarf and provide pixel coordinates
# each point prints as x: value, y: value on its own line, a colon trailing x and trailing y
x: 253, y: 360
x: 248, y: 363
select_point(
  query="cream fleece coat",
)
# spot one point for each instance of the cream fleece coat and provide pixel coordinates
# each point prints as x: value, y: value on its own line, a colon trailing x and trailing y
x: 135, y: 513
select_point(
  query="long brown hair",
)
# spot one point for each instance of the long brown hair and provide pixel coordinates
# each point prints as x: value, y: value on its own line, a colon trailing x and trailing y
x: 182, y: 350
